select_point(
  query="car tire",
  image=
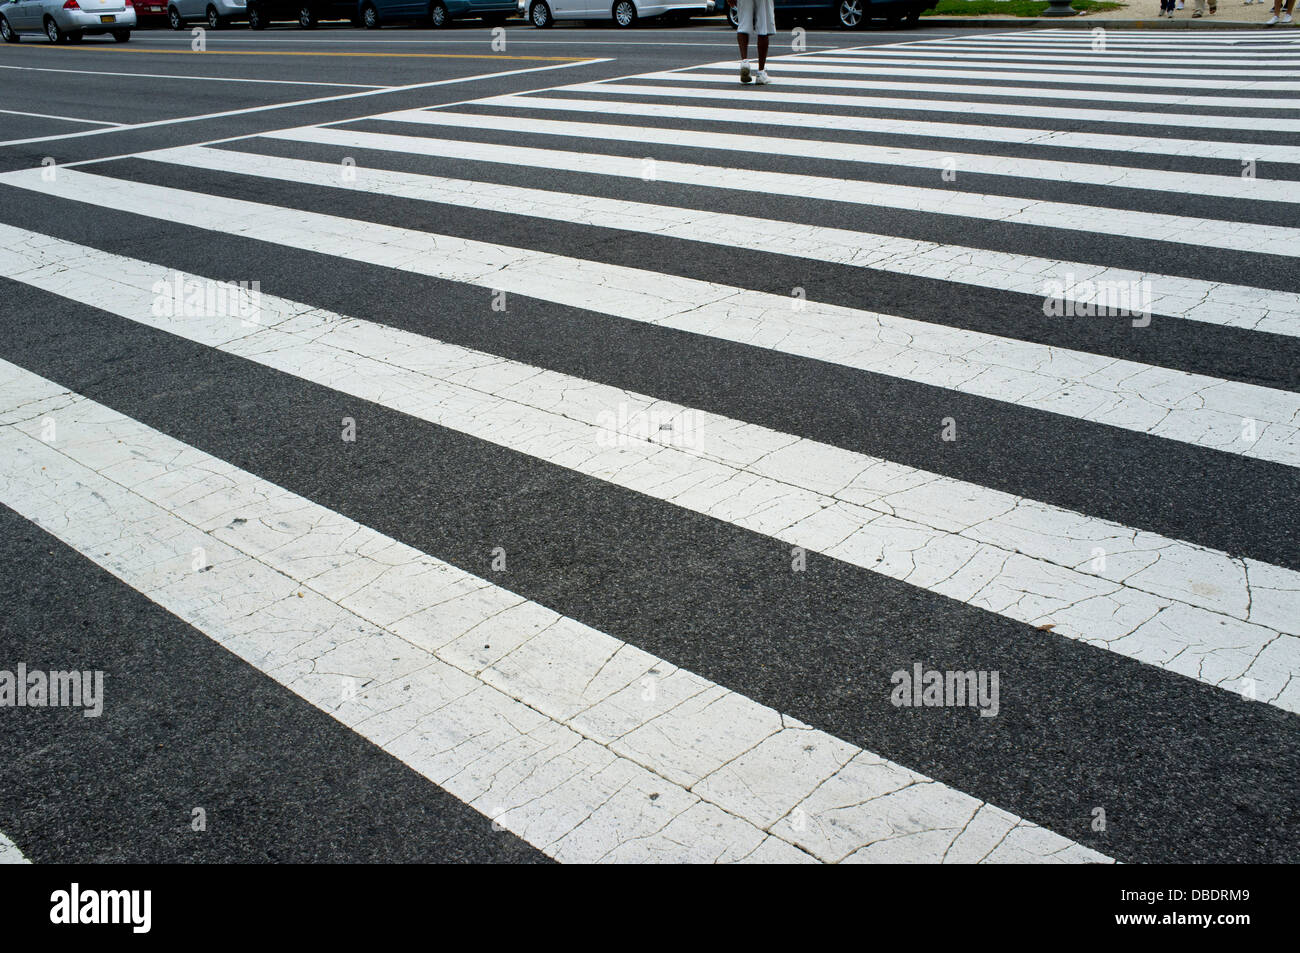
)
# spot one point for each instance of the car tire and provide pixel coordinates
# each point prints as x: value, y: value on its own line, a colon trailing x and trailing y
x: 438, y: 17
x: 7, y: 33
x: 214, y: 19
x: 851, y: 14
x: 370, y: 17
x: 307, y: 16
x: 539, y: 15
x: 53, y: 33
x: 255, y: 20
x: 624, y: 13
x: 733, y: 16
x: 122, y: 36
x: 174, y: 19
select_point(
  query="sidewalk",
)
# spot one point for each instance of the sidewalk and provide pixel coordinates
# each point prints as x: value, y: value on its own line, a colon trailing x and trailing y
x: 1137, y: 15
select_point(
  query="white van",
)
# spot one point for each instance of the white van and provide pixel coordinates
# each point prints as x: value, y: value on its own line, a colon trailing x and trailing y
x: 624, y: 13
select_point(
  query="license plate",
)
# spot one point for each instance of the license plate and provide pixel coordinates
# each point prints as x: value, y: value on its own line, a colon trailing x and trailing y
x: 107, y: 19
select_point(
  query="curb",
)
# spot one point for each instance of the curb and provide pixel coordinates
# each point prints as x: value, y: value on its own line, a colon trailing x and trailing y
x: 1083, y: 22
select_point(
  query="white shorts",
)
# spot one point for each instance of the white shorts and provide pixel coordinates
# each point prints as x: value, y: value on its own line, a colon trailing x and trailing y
x: 756, y: 17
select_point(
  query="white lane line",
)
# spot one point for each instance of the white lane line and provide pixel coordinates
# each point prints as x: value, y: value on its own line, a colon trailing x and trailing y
x: 537, y: 721
x: 383, y: 90
x: 1151, y: 226
x: 912, y: 106
x: 207, y: 79
x: 1035, y: 66
x: 1174, y: 405
x: 712, y: 74
x: 761, y: 118
x: 1266, y: 67
x: 1115, y: 44
x: 9, y: 852
x: 1192, y: 610
x: 1230, y: 186
x: 1228, y: 305
x: 1025, y: 76
x: 91, y: 122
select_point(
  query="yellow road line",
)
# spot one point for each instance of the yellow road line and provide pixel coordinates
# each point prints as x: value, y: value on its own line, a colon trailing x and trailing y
x: 430, y: 56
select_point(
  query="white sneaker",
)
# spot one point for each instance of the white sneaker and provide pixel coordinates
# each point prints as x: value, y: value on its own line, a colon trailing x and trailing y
x: 1271, y: 21
x: 744, y: 72
x: 762, y: 78
x: 1286, y: 18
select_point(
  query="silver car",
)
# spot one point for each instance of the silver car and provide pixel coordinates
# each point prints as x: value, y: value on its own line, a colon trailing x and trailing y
x: 63, y: 21
x: 215, y: 13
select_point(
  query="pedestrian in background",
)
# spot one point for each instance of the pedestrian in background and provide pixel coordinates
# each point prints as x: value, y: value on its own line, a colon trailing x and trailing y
x: 1278, y: 15
x: 757, y: 17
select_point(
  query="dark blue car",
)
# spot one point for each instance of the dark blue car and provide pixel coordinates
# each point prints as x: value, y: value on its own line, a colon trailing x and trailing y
x: 847, y: 14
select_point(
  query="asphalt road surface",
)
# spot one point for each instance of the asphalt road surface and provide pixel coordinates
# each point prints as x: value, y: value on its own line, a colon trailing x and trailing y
x: 441, y: 447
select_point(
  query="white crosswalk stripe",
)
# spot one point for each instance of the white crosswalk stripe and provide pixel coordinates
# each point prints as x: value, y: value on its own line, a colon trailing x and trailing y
x: 589, y: 741
x: 9, y: 852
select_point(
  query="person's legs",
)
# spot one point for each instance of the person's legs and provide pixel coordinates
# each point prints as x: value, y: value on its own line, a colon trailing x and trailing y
x: 744, y: 27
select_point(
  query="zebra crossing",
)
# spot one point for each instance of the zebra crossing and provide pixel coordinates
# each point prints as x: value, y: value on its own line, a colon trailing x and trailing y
x: 612, y: 455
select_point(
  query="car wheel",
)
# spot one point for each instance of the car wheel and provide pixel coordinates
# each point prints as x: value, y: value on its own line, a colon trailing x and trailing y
x: 7, y: 32
x: 733, y: 16
x: 255, y: 21
x: 851, y: 14
x: 438, y: 16
x: 370, y: 17
x: 53, y: 32
x: 122, y: 36
x: 307, y: 17
x: 214, y: 18
x: 625, y: 13
x: 540, y: 15
x: 174, y: 19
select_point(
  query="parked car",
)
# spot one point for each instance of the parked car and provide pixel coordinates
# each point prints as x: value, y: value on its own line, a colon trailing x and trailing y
x: 436, y: 13
x: 846, y: 14
x: 148, y: 9
x: 215, y: 13
x: 64, y: 21
x: 306, y: 13
x: 624, y: 13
